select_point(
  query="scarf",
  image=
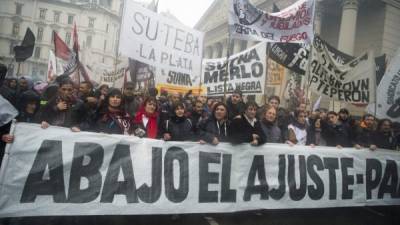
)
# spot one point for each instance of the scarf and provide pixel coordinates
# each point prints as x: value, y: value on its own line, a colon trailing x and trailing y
x: 120, y: 118
x: 299, y: 125
x: 152, y: 127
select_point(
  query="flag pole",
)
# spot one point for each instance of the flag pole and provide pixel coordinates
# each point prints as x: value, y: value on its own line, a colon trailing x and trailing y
x: 308, y: 83
x: 228, y: 53
x: 19, y: 66
x: 266, y: 74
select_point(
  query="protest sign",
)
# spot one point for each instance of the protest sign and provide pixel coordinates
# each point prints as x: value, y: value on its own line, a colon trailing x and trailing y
x: 295, y: 57
x: 246, y: 72
x: 292, y: 24
x: 174, y: 49
x: 65, y: 173
x: 352, y: 82
x: 388, y: 98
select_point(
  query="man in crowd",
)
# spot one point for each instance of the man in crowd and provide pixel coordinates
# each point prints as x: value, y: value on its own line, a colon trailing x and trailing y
x: 131, y: 101
x: 235, y: 104
x: 365, y: 133
x: 335, y: 132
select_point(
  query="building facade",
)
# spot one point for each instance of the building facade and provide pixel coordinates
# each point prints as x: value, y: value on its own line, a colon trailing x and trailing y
x: 353, y: 26
x: 97, y: 21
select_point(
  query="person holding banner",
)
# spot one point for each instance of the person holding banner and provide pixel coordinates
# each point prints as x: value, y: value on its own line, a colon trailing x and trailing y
x: 145, y: 123
x: 246, y: 128
x: 178, y: 127
x: 112, y: 117
x: 297, y: 130
x: 235, y: 104
x: 335, y: 132
x: 64, y: 109
x: 216, y: 128
x: 384, y: 136
x: 268, y: 124
x: 365, y: 133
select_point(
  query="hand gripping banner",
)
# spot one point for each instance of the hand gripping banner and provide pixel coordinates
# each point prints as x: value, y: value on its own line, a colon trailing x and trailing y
x: 57, y: 172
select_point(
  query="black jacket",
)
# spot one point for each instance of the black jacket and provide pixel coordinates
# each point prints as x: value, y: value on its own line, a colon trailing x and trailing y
x: 74, y: 115
x: 334, y: 135
x: 242, y: 132
x: 385, y: 140
x: 180, y: 129
x: 210, y: 128
x: 234, y: 110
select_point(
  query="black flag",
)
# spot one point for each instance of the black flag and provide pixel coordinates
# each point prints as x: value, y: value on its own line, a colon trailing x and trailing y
x: 25, y: 50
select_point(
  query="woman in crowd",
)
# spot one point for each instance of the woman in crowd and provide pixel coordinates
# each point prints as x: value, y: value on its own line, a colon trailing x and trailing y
x: 297, y: 130
x: 245, y: 128
x: 215, y: 128
x: 384, y: 136
x: 146, y: 120
x: 178, y: 127
x: 314, y: 133
x: 28, y: 107
x: 112, y: 117
x: 269, y: 125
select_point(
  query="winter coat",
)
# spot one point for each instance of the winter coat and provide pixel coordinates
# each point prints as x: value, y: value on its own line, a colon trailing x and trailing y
x: 385, y: 140
x: 242, y: 132
x: 234, y: 109
x: 74, y: 115
x: 272, y: 132
x: 114, y: 123
x: 180, y: 129
x: 334, y: 135
x: 211, y: 128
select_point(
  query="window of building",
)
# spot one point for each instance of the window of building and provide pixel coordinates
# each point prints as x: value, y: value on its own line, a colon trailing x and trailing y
x: 107, y: 27
x: 68, y: 38
x: 89, y: 41
x: 70, y: 19
x: 57, y: 16
x: 40, y: 34
x: 42, y: 13
x: 15, y: 29
x: 37, y: 52
x: 18, y: 8
x: 105, y: 45
x: 91, y: 22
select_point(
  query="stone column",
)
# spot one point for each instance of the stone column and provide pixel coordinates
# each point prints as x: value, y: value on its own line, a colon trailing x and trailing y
x: 209, y: 52
x: 348, y: 26
x: 237, y: 46
x: 224, y: 48
x: 319, y: 11
x: 217, y: 52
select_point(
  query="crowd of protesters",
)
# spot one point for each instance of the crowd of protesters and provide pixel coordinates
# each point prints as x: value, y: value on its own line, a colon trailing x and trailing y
x: 173, y: 117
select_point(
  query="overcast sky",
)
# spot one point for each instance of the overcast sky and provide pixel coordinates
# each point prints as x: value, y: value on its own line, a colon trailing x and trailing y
x: 187, y: 11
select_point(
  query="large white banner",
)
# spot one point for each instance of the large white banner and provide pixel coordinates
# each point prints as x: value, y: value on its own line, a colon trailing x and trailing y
x: 292, y: 24
x: 353, y: 82
x: 176, y: 50
x: 388, y: 96
x: 57, y: 172
x: 247, y: 72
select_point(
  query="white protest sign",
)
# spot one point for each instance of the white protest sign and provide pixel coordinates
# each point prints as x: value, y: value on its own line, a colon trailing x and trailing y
x: 292, y: 24
x: 352, y: 82
x: 176, y: 50
x: 247, y: 72
x: 67, y: 173
x: 388, y: 96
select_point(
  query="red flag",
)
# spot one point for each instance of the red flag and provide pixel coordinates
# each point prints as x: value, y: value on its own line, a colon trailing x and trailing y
x: 61, y: 49
x: 75, y: 39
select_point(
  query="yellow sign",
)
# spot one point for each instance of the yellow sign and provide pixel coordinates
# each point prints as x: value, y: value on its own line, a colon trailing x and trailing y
x: 180, y: 89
